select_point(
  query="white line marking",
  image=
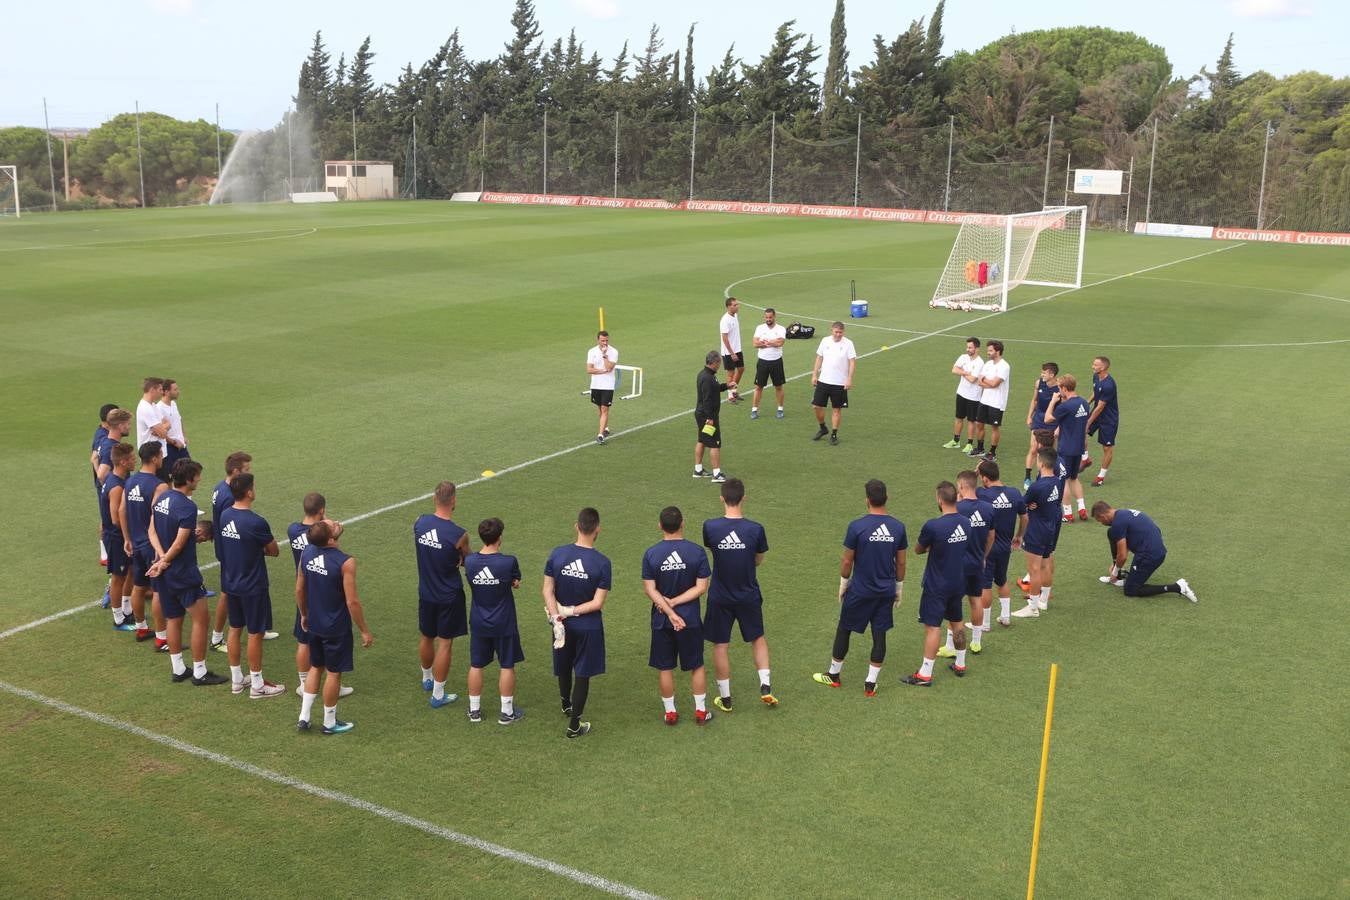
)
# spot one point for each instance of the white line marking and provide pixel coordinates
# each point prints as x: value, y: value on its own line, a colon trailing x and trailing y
x: 19, y: 629
x: 384, y: 812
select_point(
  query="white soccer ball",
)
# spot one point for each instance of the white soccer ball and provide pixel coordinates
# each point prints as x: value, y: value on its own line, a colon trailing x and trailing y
x: 732, y: 394
x: 965, y: 306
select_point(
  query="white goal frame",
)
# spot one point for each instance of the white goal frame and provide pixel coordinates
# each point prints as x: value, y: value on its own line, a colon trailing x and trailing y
x: 12, y: 172
x: 634, y: 387
x: 995, y: 296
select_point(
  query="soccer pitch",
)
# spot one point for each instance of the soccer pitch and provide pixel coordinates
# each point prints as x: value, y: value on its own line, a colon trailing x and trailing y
x: 370, y: 350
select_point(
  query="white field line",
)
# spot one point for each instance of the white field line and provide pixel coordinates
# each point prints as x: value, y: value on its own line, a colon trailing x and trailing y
x: 384, y: 812
x: 964, y: 323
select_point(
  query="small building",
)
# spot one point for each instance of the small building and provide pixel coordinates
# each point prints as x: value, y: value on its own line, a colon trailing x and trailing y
x: 360, y: 179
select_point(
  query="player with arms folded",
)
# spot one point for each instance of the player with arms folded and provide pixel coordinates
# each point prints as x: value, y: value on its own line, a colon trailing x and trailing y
x: 675, y: 575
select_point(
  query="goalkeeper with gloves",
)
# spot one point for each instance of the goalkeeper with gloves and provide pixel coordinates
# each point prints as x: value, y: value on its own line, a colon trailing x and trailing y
x: 576, y: 583
x: 871, y: 579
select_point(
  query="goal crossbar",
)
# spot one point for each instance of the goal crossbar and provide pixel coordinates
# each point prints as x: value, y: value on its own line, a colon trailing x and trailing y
x: 9, y: 181
x: 992, y: 255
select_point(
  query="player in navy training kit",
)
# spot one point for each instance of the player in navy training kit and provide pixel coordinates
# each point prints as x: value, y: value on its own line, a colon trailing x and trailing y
x: 577, y: 580
x: 944, y: 540
x: 738, y: 546
x: 100, y: 433
x: 138, y: 500
x: 980, y: 545
x: 1105, y: 417
x: 493, y: 629
x: 1131, y: 531
x: 441, y: 546
x: 675, y: 575
x: 1046, y: 385
x: 1042, y: 534
x: 119, y: 426
x: 116, y: 539
x: 174, y: 533
x: 1069, y: 412
x: 315, y: 508
x: 1010, y: 521
x: 221, y: 499
x: 871, y: 585
x: 325, y: 592
x: 245, y: 542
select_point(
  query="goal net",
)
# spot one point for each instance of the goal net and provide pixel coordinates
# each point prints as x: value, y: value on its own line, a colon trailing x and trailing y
x: 9, y: 191
x: 994, y: 254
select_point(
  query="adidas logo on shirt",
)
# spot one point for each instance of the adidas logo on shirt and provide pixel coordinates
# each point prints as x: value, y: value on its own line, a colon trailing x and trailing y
x: 1082, y: 413
x: 430, y: 539
x: 316, y: 566
x: 673, y: 563
x: 958, y: 536
x: 1054, y: 493
x: 162, y: 507
x: 229, y: 531
x: 882, y: 534
x: 977, y: 520
x: 574, y: 569
x: 301, y: 541
x: 731, y: 542
x: 134, y: 495
x: 1002, y: 502
x: 485, y: 577
x: 214, y: 496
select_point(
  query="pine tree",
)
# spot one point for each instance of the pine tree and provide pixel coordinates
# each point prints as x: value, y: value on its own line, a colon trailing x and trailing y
x: 834, y: 88
x: 312, y: 97
x: 360, y: 83
x: 689, y: 66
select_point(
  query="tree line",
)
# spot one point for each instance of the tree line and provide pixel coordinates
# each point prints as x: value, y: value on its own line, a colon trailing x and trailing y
x: 910, y: 126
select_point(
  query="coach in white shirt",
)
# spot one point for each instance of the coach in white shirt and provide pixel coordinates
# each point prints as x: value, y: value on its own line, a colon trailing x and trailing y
x: 994, y: 375
x: 768, y: 340
x: 832, y: 376
x: 176, y: 439
x: 729, y: 339
x: 967, y: 368
x: 600, y: 363
x: 151, y: 422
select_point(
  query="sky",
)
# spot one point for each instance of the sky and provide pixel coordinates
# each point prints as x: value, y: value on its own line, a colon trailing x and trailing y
x: 183, y: 57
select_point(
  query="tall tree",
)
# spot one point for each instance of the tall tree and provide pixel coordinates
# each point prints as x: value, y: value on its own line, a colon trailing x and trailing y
x: 361, y: 83
x: 834, y: 87
x: 313, y: 94
x: 522, y: 83
x: 689, y: 66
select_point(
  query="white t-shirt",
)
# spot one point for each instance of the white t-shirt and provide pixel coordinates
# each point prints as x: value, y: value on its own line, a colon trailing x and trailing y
x: 149, y: 415
x: 170, y: 412
x: 765, y: 333
x: 996, y: 397
x: 834, y: 357
x: 971, y: 365
x: 595, y: 359
x: 731, y: 327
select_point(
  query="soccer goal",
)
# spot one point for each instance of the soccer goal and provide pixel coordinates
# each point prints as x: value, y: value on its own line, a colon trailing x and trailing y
x: 9, y: 191
x: 994, y: 254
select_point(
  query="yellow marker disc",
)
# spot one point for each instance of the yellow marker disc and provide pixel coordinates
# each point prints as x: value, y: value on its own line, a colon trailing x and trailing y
x: 488, y: 473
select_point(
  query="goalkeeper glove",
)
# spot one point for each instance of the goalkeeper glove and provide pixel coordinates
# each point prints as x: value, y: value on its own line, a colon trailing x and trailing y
x: 559, y: 635
x: 565, y: 612
x: 843, y: 587
x: 899, y: 594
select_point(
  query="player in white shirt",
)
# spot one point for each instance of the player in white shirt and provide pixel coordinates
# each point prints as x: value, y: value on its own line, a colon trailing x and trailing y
x: 151, y: 423
x: 177, y: 440
x: 994, y: 377
x: 832, y: 377
x: 967, y: 367
x: 729, y: 340
x: 600, y: 363
x: 768, y: 340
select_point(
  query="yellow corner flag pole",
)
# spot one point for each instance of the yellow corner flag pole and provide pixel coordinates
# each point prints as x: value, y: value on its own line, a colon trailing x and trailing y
x: 1040, y: 787
x: 602, y: 318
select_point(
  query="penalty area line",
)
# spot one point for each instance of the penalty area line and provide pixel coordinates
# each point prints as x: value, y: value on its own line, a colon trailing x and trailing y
x: 384, y: 812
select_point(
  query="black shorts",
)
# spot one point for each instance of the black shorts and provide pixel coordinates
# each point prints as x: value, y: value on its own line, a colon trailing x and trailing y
x: 602, y: 398
x: 731, y: 362
x: 767, y: 370
x: 990, y: 415
x: 713, y: 440
x: 830, y: 394
x: 966, y: 408
x: 1140, y: 570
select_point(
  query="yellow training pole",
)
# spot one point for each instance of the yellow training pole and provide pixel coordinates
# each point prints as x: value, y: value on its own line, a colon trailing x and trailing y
x: 1040, y: 787
x: 602, y: 318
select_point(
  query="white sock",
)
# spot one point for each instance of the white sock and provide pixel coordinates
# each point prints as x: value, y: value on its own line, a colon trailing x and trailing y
x: 307, y: 705
x: 126, y: 605
x: 1045, y: 596
x: 257, y: 679
x: 1084, y: 456
x: 1004, y: 605
x: 1102, y: 473
x: 236, y: 674
x: 141, y: 626
x: 508, y: 706
x: 949, y: 645
x: 118, y: 616
x: 426, y: 674
x: 475, y: 703
x: 763, y: 676
x: 698, y: 467
x: 217, y: 637
x: 724, y: 688
x: 669, y: 703
x: 176, y: 662
x: 836, y: 666
x: 1080, y: 503
x: 198, y: 668
x: 754, y: 409
x: 961, y: 658
x: 780, y: 409
x: 701, y: 702
x: 162, y: 635
x: 873, y: 672
x: 438, y: 690
x: 926, y: 670
x: 329, y: 716
x: 1068, y: 510
x: 717, y: 471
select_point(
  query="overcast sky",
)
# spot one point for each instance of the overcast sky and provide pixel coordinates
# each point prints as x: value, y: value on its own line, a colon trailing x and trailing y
x: 182, y: 57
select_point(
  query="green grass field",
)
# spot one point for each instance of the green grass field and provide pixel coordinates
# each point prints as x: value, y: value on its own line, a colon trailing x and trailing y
x: 369, y: 351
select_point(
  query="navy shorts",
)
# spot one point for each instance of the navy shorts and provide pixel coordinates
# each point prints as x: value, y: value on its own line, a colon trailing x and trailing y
x: 933, y: 609
x: 1106, y: 435
x: 118, y: 561
x: 973, y: 581
x: 1140, y: 570
x: 749, y: 615
x: 252, y: 612
x: 995, y: 568
x: 857, y: 613
x: 1039, y: 543
x: 1070, y: 465
x: 331, y: 653
x: 175, y: 602
x: 582, y: 653
x: 504, y: 647
x: 670, y: 646
x: 442, y: 620
x: 141, y: 561
x: 301, y: 635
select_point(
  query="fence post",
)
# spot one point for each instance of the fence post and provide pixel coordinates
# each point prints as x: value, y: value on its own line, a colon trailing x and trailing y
x: 482, y: 158
x: 857, y: 160
x: 616, y: 153
x: 1049, y: 146
x: 1152, y: 158
x: 354, y: 157
x: 414, y: 196
x: 1261, y: 197
x: 773, y: 131
x: 693, y: 136
x: 290, y: 158
x: 140, y: 163
x: 219, y: 167
x: 951, y: 139
x: 1068, y: 163
x: 1129, y: 193
x: 51, y: 167
x: 545, y: 153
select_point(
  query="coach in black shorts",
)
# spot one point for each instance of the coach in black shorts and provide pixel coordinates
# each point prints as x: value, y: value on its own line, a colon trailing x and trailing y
x: 707, y: 413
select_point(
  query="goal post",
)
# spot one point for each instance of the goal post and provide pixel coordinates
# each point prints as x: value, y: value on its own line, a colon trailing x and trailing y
x: 992, y: 255
x: 9, y: 191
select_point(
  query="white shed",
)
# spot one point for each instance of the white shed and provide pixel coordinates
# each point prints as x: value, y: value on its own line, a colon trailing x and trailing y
x: 360, y: 179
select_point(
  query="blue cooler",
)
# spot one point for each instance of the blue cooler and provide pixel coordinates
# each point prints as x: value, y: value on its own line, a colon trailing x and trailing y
x: 858, y: 309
